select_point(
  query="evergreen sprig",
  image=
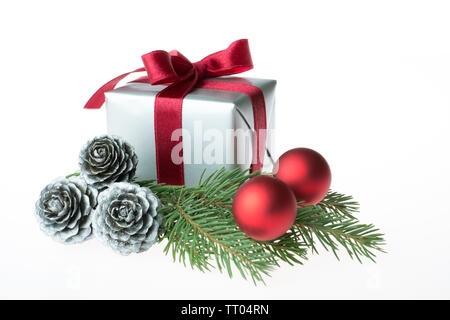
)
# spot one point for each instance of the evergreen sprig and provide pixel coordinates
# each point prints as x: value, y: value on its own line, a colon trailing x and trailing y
x: 333, y: 228
x: 200, y: 228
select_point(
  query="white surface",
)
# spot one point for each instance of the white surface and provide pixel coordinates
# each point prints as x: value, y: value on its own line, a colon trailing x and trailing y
x: 367, y: 84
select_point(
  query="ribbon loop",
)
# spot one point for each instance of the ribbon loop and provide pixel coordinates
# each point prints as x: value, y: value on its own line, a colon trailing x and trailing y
x: 159, y: 67
x: 234, y: 59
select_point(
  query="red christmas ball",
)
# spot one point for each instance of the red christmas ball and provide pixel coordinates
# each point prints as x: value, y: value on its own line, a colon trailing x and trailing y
x: 306, y: 172
x: 264, y: 208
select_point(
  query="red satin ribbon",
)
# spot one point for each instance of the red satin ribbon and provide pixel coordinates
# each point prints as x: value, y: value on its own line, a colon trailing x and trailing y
x: 182, y: 76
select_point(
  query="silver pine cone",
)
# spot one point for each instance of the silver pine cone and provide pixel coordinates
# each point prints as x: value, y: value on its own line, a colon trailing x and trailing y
x: 126, y: 218
x: 64, y: 209
x: 107, y: 159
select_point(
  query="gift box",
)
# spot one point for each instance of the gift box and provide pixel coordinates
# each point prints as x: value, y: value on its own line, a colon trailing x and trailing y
x: 217, y: 126
x: 190, y: 119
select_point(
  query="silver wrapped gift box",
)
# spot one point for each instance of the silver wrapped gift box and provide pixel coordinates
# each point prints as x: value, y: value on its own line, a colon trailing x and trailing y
x: 217, y: 126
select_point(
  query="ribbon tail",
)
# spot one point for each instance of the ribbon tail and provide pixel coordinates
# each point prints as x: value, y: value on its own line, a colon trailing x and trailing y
x: 98, y: 98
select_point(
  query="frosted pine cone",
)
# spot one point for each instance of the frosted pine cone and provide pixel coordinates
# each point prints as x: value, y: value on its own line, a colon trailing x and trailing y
x: 107, y: 159
x: 64, y: 210
x: 126, y: 218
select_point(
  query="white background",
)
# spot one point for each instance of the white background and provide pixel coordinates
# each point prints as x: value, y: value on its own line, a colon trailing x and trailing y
x: 366, y: 83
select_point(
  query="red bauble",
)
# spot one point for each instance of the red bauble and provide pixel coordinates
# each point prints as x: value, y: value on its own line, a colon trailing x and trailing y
x: 264, y: 208
x: 306, y: 172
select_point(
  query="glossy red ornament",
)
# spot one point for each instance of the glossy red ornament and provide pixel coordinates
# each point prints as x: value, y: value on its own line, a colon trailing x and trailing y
x: 264, y: 208
x: 306, y: 172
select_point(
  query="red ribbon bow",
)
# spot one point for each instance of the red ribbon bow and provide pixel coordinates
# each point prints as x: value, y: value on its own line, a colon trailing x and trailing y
x: 182, y: 76
x: 172, y: 67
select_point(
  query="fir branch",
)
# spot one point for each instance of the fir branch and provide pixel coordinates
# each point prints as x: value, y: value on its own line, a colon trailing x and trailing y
x: 334, y: 227
x: 339, y: 204
x: 200, y: 229
x: 200, y: 219
x: 289, y: 248
x: 75, y: 174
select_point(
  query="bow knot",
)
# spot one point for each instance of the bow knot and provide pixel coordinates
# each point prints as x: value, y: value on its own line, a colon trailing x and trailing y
x: 171, y: 67
x: 201, y: 70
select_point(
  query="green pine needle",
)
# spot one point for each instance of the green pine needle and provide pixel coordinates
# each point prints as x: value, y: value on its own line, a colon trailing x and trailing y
x: 200, y: 229
x: 332, y: 223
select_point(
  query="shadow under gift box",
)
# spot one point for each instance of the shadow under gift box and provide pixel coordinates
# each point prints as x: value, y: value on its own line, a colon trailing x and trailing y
x: 217, y: 126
